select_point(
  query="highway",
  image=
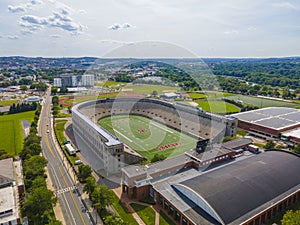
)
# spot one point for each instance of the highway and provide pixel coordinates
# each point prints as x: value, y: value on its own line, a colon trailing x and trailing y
x: 65, y: 185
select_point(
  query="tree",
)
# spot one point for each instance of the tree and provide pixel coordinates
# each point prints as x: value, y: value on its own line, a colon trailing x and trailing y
x: 296, y: 148
x: 114, y: 220
x: 84, y: 171
x: 23, y: 88
x: 291, y: 218
x: 101, y: 197
x: 158, y: 157
x: 5, y: 155
x: 90, y: 184
x: 154, y: 93
x: 38, y: 204
x: 269, y: 145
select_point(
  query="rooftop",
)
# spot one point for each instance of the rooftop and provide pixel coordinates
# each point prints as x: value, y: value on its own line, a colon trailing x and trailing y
x: 240, y: 188
x: 7, y: 168
x: 273, y: 117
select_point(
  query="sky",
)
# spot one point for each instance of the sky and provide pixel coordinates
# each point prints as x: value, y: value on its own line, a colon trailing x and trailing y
x: 207, y: 28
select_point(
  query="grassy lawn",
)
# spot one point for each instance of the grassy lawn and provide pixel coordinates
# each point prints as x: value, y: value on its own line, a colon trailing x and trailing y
x: 147, y: 136
x: 11, y: 133
x: 148, y: 89
x: 73, y: 100
x: 146, y: 213
x: 196, y: 95
x: 109, y: 83
x: 261, y: 102
x: 219, y: 107
x: 59, y: 131
x: 164, y: 219
x: 122, y: 211
x: 217, y: 95
x: 8, y: 102
x: 242, y: 132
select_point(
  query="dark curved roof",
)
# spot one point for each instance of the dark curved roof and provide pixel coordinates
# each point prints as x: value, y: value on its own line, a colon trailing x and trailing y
x: 238, y: 188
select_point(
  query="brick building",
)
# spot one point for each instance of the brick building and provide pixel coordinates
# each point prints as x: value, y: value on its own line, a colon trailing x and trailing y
x: 248, y: 191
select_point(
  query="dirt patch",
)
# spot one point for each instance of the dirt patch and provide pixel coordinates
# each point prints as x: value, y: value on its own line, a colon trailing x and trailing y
x: 193, y: 104
x: 127, y: 89
x: 168, y: 91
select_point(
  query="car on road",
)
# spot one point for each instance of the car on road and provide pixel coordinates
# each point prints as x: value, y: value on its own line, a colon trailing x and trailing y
x: 48, y: 131
x: 78, y: 162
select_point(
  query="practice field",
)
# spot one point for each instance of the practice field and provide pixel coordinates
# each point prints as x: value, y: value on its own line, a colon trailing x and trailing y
x: 148, y: 137
x: 219, y: 107
x: 261, y: 102
x: 11, y: 133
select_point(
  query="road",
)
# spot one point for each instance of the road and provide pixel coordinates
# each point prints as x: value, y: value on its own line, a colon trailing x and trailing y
x: 65, y: 185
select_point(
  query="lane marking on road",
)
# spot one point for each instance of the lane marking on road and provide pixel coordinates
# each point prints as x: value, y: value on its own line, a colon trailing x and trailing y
x: 71, y: 188
x: 72, y: 196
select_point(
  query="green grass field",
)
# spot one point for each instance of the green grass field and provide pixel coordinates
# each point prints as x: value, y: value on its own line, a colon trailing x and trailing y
x: 8, y: 102
x: 261, y: 102
x: 109, y: 83
x: 147, y: 136
x: 164, y: 219
x: 11, y: 133
x: 196, y: 95
x: 219, y: 107
x: 148, y: 89
x: 122, y: 211
x: 59, y: 132
x: 146, y: 213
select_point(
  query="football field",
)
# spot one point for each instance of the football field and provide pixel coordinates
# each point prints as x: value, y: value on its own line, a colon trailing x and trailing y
x: 147, y: 136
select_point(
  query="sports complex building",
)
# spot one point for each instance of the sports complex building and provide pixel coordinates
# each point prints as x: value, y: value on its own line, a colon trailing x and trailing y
x: 247, y: 191
x: 270, y: 123
x: 106, y: 153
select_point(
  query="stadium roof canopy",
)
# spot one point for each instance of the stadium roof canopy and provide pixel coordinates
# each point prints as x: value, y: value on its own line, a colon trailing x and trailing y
x: 273, y: 117
x: 236, y: 192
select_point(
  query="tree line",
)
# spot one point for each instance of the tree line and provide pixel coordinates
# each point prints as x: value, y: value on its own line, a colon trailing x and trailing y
x: 22, y: 107
x: 100, y: 195
x: 38, y: 201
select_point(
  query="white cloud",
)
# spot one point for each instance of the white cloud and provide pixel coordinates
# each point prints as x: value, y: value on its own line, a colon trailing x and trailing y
x: 251, y: 28
x: 57, y: 19
x: 118, y: 26
x: 55, y: 36
x: 286, y: 5
x: 12, y: 37
x: 231, y: 32
x: 16, y: 8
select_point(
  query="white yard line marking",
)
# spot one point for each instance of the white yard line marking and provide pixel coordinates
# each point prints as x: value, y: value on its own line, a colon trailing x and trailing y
x: 162, y: 128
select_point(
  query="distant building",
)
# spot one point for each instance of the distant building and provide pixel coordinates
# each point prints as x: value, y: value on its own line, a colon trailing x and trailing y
x: 57, y: 82
x: 33, y: 99
x: 11, y: 190
x: 169, y: 95
x: 269, y: 123
x: 74, y: 80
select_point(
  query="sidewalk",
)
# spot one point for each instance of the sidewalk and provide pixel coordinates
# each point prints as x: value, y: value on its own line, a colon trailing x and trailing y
x: 57, y: 209
x: 84, y: 197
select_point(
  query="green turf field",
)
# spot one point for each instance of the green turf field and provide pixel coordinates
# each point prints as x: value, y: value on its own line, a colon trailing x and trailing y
x: 11, y: 133
x: 261, y: 102
x: 219, y: 107
x: 147, y: 136
x: 8, y: 102
x: 148, y: 89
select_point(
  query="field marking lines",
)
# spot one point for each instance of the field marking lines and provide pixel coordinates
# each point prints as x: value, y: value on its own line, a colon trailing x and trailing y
x: 123, y: 135
x: 165, y: 129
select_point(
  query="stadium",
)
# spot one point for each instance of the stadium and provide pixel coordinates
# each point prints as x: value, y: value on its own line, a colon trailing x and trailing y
x: 108, y: 149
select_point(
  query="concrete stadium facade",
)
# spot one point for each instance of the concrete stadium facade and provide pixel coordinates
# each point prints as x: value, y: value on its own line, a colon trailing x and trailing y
x: 105, y: 152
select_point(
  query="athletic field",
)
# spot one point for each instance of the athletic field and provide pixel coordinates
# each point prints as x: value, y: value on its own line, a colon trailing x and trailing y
x: 11, y: 133
x: 147, y: 136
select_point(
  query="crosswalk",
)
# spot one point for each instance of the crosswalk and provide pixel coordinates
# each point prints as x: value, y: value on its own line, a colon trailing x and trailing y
x: 66, y: 190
